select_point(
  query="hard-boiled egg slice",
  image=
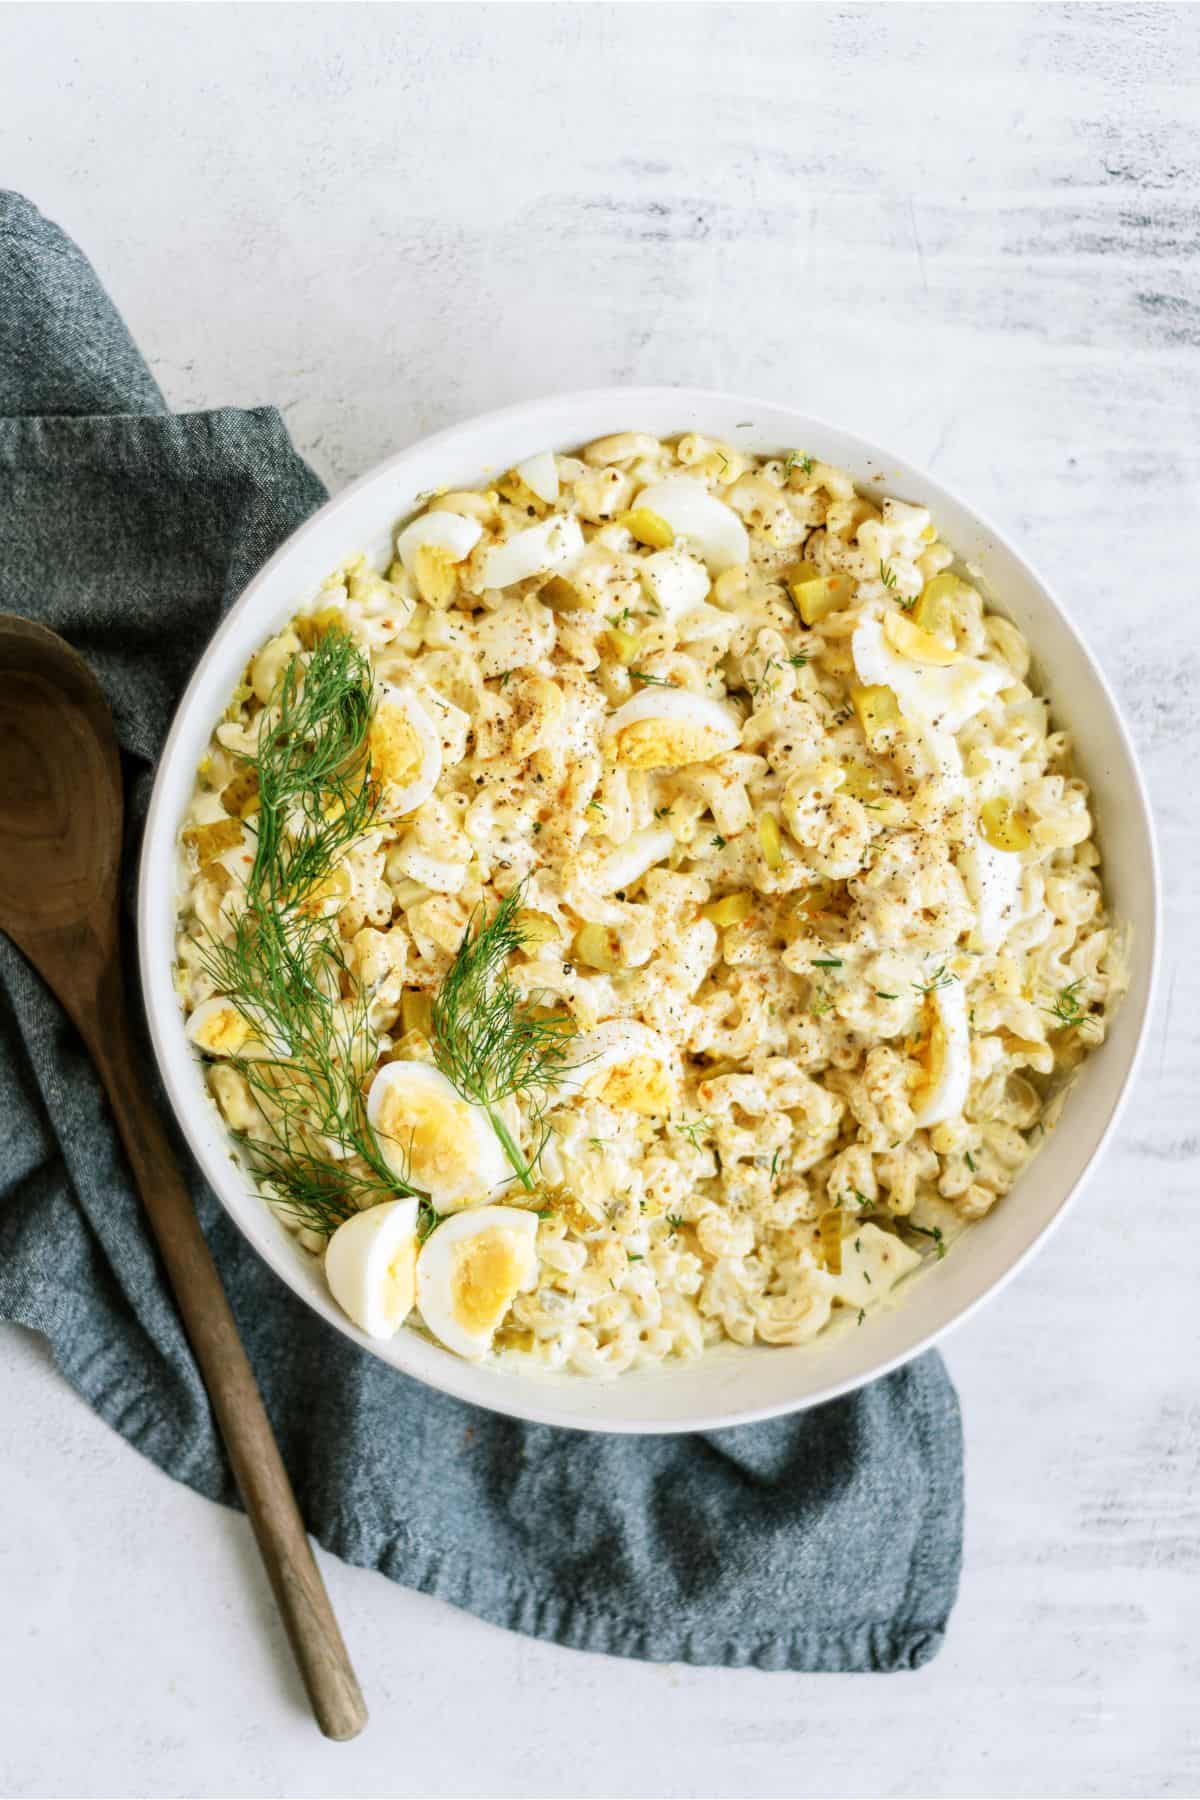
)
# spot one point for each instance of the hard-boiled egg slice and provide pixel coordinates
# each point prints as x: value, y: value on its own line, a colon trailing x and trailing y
x: 699, y: 519
x: 675, y: 581
x: 540, y: 475
x: 371, y: 1266
x: 548, y: 548
x: 625, y: 1065
x: 406, y: 750
x: 449, y: 533
x: 433, y: 1138
x: 219, y: 1029
x: 470, y: 1270
x: 943, y: 698
x: 665, y: 728
x: 873, y: 1261
x: 993, y: 882
x: 943, y: 1093
x: 630, y: 860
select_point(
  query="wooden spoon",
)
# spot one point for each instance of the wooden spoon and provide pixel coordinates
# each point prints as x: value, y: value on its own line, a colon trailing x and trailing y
x: 60, y: 852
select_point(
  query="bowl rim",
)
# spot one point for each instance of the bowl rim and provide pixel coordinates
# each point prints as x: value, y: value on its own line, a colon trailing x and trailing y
x: 158, y: 995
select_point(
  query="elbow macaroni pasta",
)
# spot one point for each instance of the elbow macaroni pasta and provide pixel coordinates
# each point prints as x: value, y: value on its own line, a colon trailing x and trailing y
x: 776, y: 788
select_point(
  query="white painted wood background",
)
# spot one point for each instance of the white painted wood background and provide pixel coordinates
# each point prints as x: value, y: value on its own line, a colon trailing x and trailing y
x: 970, y: 232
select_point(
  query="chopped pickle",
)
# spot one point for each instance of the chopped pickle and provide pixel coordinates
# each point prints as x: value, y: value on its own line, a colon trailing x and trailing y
x: 560, y: 596
x: 573, y: 1212
x: 816, y: 901
x: 536, y: 928
x: 877, y: 709
x: 211, y: 841
x: 240, y: 796
x: 513, y: 1337
x: 934, y: 611
x: 816, y: 595
x: 623, y: 644
x: 771, y: 839
x: 416, y: 1011
x: 731, y: 909
x: 598, y: 946
x: 829, y: 1229
x: 241, y: 693
x: 911, y: 641
x: 310, y: 628
x: 1002, y: 826
x: 649, y: 528
x: 328, y: 895
x: 862, y: 782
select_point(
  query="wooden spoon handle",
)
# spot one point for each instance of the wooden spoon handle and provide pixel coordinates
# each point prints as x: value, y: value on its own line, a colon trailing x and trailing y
x: 241, y: 1416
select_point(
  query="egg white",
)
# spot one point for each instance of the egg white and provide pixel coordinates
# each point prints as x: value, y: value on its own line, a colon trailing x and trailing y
x: 370, y: 1265
x: 941, y: 698
x: 540, y: 475
x: 700, y: 520
x: 946, y: 1095
x: 469, y: 1271
x: 434, y: 1139
x: 677, y: 582
x: 992, y: 879
x: 449, y: 532
x: 548, y: 548
x: 631, y: 860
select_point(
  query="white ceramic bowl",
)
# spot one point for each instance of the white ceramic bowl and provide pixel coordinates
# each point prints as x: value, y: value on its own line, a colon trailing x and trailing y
x: 731, y: 1385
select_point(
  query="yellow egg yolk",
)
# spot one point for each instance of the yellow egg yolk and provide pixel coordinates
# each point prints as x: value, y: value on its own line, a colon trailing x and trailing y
x: 641, y: 1085
x: 930, y: 1052
x: 429, y: 1134
x: 225, y: 1032
x: 395, y: 747
x: 666, y: 744
x: 486, y: 1275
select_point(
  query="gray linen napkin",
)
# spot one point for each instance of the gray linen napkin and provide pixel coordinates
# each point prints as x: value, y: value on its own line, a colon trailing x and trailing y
x: 827, y: 1541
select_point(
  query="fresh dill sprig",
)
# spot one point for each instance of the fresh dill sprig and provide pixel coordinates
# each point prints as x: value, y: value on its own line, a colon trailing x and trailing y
x: 932, y: 1232
x: 311, y: 764
x: 490, y: 1042
x: 694, y: 1129
x: 887, y: 575
x: 649, y: 680
x: 941, y: 978
x: 1070, y: 1010
x: 282, y: 965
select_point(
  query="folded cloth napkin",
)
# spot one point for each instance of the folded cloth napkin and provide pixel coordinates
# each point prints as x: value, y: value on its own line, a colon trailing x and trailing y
x: 830, y: 1540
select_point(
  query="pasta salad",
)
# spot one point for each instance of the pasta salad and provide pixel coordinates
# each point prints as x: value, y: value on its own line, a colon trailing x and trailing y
x: 654, y: 910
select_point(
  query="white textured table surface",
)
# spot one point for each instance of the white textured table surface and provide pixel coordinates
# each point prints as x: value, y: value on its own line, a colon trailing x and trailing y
x: 968, y: 232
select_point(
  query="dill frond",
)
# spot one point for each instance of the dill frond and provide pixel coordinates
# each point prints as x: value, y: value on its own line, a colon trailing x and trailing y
x: 282, y: 964
x: 490, y: 1042
x: 1071, y: 1011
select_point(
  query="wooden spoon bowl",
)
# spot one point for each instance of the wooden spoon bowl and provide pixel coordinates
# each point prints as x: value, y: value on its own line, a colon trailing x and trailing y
x: 60, y: 852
